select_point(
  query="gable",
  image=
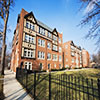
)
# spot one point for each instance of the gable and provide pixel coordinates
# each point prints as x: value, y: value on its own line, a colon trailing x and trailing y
x: 55, y: 32
x: 30, y: 17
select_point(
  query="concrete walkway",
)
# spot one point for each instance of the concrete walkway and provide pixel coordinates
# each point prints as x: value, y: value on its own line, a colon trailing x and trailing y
x: 12, y: 88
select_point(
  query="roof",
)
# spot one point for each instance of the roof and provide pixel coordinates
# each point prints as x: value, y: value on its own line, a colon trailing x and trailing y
x: 39, y: 22
x: 43, y: 25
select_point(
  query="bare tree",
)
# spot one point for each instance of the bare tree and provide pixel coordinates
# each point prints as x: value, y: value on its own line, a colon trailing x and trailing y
x: 96, y: 58
x: 4, y: 14
x: 92, y: 17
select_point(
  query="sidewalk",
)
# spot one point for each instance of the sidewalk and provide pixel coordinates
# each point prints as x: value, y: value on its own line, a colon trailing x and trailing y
x: 12, y: 88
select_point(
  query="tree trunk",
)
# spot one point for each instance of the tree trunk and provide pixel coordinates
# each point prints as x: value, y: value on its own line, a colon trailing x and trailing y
x: 4, y: 45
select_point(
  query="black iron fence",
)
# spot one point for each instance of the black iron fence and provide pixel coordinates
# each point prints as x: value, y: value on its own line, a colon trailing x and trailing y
x: 43, y: 86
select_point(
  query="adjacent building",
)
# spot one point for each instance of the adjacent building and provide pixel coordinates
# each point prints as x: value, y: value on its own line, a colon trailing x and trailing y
x: 86, y: 58
x: 35, y: 45
x: 72, y: 55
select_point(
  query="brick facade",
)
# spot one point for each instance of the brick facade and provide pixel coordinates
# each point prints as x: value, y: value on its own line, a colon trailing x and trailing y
x: 74, y: 56
x: 33, y: 52
x: 38, y: 47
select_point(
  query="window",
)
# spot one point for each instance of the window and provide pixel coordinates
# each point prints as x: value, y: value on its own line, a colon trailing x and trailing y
x: 66, y: 66
x: 28, y: 65
x: 41, y: 42
x: 54, y: 65
x: 27, y: 24
x: 32, y: 40
x: 60, y: 49
x: 49, y: 45
x: 55, y: 57
x: 49, y: 35
x: 25, y: 65
x: 66, y: 46
x: 41, y: 31
x: 59, y: 40
x: 59, y: 65
x: 28, y: 53
x: 26, y: 38
x: 72, y: 48
x: 17, y: 31
x: 72, y: 54
x: 55, y: 47
x: 48, y: 66
x: 66, y: 60
x: 49, y: 56
x: 41, y: 66
x: 72, y: 60
x: 60, y: 59
x: 41, y: 55
x: 80, y: 61
x: 30, y: 25
x: 54, y: 38
x: 29, y: 38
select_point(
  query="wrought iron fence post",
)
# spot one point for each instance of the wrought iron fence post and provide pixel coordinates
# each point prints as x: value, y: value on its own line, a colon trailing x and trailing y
x: 26, y: 77
x: 34, y: 85
x: 99, y: 88
x: 16, y: 73
x: 49, y: 86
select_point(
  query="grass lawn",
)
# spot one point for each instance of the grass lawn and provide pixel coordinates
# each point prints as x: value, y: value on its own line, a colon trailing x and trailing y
x: 85, y: 73
x: 60, y: 89
x: 1, y: 89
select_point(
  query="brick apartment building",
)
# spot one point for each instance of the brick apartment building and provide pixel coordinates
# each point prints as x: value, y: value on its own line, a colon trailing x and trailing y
x: 86, y: 58
x: 35, y: 45
x: 74, y: 56
x: 38, y: 47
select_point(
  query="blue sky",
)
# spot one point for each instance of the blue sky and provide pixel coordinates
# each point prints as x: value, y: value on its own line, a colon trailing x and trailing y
x: 61, y: 14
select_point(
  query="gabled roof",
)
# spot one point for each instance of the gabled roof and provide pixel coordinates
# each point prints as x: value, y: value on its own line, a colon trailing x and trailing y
x: 55, y: 30
x: 31, y: 13
x: 44, y: 26
x: 38, y: 22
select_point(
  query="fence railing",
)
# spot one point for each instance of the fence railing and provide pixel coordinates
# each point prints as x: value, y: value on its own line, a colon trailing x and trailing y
x: 43, y: 86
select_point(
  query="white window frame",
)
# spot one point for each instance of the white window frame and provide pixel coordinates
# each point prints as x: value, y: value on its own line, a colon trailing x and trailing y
x: 59, y: 40
x: 49, y: 56
x: 54, y: 38
x: 55, y: 66
x: 29, y: 39
x: 49, y: 45
x: 41, y: 42
x: 60, y: 66
x: 72, y: 54
x: 28, y: 53
x: 27, y: 64
x: 49, y: 35
x: 55, y: 48
x: 30, y: 25
x: 55, y: 57
x: 66, y: 60
x: 60, y: 49
x: 42, y: 31
x: 73, y: 60
x: 60, y: 58
x: 67, y: 66
x: 41, y: 55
